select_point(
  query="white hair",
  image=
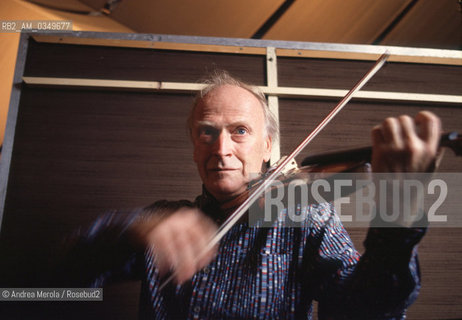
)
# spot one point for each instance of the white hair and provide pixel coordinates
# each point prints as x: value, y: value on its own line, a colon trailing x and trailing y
x: 221, y: 78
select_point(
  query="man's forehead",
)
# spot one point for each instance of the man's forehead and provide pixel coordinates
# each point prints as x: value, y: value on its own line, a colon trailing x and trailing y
x: 229, y: 100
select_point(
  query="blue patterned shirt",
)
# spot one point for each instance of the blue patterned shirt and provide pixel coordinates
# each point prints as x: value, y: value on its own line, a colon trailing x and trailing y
x: 265, y: 273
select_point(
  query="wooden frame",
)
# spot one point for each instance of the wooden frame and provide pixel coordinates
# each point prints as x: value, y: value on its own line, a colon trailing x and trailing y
x: 273, y: 53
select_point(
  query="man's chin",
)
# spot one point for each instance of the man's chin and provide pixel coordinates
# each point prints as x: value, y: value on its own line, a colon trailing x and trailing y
x: 226, y: 191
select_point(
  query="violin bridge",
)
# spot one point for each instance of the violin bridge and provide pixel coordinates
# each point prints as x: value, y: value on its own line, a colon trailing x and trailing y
x: 290, y: 167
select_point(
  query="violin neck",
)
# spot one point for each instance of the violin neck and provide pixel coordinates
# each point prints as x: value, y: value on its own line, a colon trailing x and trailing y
x: 453, y: 141
x: 350, y: 155
x: 450, y: 140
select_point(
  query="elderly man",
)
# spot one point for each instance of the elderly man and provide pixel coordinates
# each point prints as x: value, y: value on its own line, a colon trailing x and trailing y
x: 263, y: 273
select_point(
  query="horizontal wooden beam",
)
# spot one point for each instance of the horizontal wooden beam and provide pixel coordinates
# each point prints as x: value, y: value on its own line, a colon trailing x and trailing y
x: 275, y: 91
x: 363, y: 94
x: 258, y: 47
x: 369, y: 56
x: 114, y: 84
x: 151, y: 44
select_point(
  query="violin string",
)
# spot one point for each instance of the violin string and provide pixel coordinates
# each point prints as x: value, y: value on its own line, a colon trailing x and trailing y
x: 239, y: 212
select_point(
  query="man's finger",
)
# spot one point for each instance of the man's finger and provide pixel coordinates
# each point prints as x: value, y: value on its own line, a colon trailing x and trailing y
x: 377, y: 136
x: 187, y: 257
x: 391, y: 132
x: 408, y: 130
x: 164, y: 251
x: 429, y: 128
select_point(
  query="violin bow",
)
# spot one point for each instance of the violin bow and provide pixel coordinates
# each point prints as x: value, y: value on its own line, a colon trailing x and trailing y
x: 239, y: 212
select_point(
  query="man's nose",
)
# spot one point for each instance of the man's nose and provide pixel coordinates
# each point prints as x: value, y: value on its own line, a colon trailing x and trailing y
x: 223, y: 144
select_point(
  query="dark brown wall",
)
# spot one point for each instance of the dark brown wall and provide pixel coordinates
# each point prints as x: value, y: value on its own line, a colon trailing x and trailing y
x: 80, y: 153
x: 440, y: 253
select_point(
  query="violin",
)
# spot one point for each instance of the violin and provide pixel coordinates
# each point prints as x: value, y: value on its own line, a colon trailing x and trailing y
x: 327, y: 166
x: 344, y: 160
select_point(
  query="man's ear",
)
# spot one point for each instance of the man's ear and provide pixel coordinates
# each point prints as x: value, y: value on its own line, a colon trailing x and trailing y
x: 267, y: 149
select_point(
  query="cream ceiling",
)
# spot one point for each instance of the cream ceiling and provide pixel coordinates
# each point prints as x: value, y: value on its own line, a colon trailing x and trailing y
x: 423, y: 23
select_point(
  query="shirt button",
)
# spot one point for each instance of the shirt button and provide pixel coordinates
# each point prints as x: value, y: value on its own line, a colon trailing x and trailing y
x: 197, y: 309
x: 206, y: 270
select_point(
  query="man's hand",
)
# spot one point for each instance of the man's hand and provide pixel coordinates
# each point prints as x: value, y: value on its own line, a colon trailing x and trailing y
x: 178, y: 242
x: 404, y: 144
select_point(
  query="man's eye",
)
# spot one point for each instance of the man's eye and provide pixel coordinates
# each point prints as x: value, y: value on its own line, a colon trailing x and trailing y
x: 207, y: 134
x: 206, y: 131
x: 241, y: 131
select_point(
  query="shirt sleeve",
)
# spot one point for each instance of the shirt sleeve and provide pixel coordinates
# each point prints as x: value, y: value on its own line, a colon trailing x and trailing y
x: 100, y: 254
x: 380, y: 284
x: 107, y: 251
